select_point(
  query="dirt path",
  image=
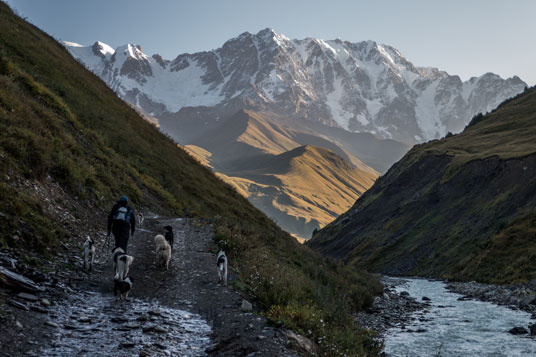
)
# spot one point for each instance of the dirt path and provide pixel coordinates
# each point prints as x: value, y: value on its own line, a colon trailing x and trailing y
x: 180, y: 312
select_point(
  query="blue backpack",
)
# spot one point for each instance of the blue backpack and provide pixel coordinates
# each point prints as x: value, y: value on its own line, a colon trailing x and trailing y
x: 123, y: 214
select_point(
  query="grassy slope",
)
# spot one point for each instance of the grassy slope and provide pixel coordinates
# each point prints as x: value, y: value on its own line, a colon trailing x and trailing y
x: 61, y: 124
x: 463, y: 207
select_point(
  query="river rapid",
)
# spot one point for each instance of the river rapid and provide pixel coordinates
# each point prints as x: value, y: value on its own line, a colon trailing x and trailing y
x: 452, y: 327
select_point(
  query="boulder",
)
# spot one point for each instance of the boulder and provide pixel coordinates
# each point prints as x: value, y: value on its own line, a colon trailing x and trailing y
x: 518, y: 330
x: 18, y: 282
x: 528, y: 300
x: 246, y: 306
x: 301, y: 343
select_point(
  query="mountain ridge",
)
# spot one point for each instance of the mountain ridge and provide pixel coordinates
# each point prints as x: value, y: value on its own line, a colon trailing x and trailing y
x: 360, y: 86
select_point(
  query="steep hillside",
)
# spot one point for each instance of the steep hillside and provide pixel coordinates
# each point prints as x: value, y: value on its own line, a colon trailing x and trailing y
x: 69, y: 147
x: 301, y: 189
x: 463, y: 207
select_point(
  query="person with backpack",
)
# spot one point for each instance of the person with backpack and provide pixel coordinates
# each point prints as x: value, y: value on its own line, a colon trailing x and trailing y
x: 122, y: 223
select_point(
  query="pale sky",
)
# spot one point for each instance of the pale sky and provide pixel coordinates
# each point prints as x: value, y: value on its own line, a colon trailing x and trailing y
x: 463, y: 37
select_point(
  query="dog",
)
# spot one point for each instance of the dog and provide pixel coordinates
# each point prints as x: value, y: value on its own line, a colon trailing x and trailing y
x: 221, y: 263
x: 163, y: 251
x: 122, y: 287
x: 122, y: 263
x: 89, y: 254
x: 140, y: 219
x: 170, y: 238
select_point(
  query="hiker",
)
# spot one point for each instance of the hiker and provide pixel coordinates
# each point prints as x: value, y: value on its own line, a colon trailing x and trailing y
x: 122, y: 223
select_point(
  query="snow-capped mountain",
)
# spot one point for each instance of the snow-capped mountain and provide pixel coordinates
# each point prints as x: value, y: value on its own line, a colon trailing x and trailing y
x: 364, y: 86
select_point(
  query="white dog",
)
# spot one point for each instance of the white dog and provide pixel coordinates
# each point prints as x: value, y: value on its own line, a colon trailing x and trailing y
x: 163, y: 251
x: 140, y: 219
x: 122, y: 287
x: 221, y: 263
x: 122, y: 263
x: 89, y: 254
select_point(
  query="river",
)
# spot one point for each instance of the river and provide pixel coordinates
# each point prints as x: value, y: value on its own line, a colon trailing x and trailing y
x: 457, y: 328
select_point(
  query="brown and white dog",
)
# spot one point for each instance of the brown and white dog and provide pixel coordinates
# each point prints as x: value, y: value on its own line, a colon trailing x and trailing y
x: 122, y: 263
x: 163, y: 251
x: 89, y: 253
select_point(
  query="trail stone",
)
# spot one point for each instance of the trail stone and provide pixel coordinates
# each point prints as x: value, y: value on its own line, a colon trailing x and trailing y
x: 246, y: 306
x: 155, y: 312
x: 38, y: 308
x: 52, y: 324
x: 19, y: 305
x: 27, y: 296
x: 45, y: 302
x: 128, y: 344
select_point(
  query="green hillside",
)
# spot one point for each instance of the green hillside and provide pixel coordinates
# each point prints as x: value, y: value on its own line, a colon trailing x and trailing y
x: 463, y: 207
x: 70, y: 147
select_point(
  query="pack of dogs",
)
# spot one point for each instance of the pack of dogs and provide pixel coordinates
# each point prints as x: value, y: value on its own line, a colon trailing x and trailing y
x: 122, y: 261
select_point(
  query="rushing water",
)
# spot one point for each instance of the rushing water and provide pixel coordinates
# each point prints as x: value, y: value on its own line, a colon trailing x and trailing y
x: 457, y: 328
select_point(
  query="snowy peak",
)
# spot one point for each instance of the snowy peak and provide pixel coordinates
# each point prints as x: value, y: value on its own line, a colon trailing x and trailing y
x: 361, y: 87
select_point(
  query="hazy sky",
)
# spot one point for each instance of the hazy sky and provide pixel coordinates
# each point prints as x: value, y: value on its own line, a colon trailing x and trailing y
x: 464, y: 37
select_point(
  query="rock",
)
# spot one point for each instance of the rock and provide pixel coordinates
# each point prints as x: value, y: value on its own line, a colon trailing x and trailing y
x: 155, y: 312
x: 160, y: 329
x: 424, y: 298
x: 19, y: 305
x: 144, y: 353
x: 246, y: 306
x: 532, y: 328
x: 18, y: 282
x: 518, y: 331
x: 301, y: 343
x: 528, y: 300
x: 84, y: 319
x: 128, y: 344
x: 52, y: 324
x: 69, y: 327
x: 45, y: 302
x: 18, y: 324
x: 141, y: 318
x: 119, y: 319
x: 38, y: 308
x: 27, y: 296
x: 421, y: 330
x: 404, y: 293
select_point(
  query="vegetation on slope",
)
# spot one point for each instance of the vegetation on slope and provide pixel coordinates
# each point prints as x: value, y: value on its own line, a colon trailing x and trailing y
x: 63, y: 130
x: 461, y: 208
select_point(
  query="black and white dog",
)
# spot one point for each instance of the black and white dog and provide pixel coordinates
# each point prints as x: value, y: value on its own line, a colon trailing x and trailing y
x: 122, y: 263
x: 221, y: 263
x: 122, y: 287
x: 170, y: 238
x: 140, y: 219
x: 89, y: 253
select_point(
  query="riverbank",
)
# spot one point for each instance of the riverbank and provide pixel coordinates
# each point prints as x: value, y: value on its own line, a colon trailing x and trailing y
x: 517, y: 297
x: 391, y: 309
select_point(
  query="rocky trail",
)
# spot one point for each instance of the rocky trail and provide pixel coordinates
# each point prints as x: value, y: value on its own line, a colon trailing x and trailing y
x: 179, y: 312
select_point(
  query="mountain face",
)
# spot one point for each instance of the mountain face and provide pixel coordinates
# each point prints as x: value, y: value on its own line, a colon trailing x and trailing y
x: 360, y: 87
x: 462, y: 208
x: 300, y: 179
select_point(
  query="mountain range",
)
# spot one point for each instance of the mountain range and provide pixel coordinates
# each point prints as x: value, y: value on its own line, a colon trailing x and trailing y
x: 262, y: 95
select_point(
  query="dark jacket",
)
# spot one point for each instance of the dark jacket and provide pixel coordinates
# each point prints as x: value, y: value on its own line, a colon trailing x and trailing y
x: 119, y: 225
